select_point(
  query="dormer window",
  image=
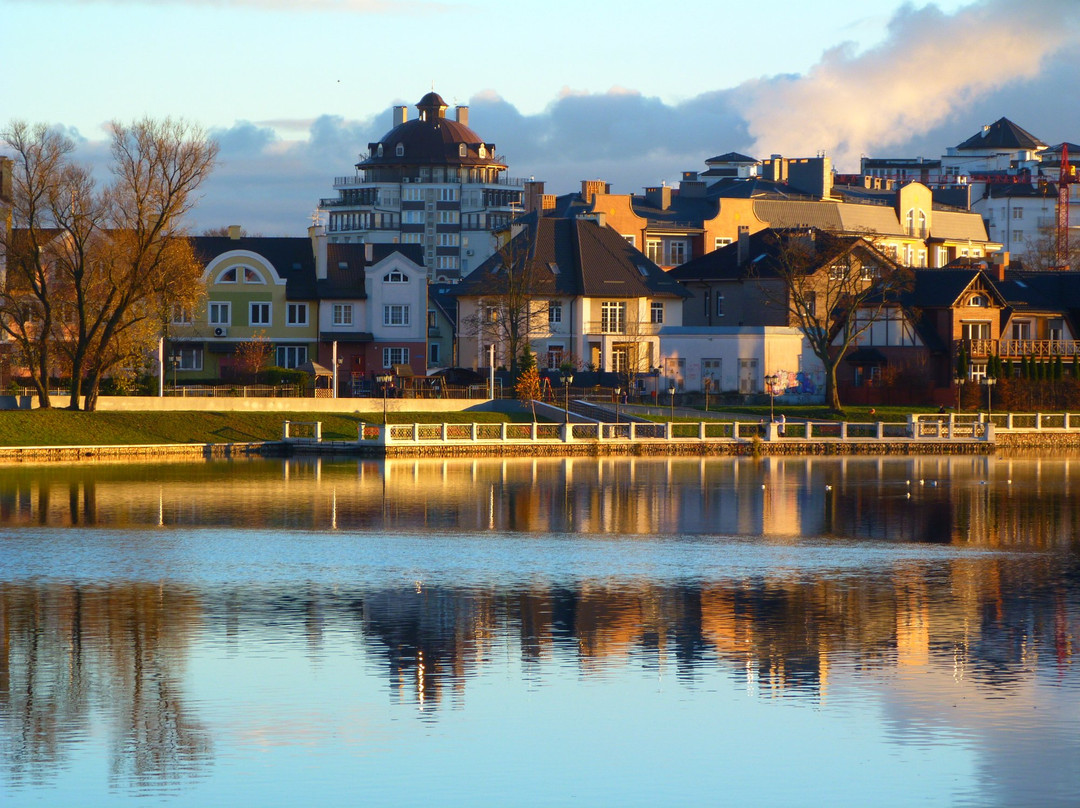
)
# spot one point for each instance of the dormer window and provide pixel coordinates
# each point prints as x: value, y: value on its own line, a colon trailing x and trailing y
x: 400, y: 150
x: 483, y: 150
x: 462, y: 150
x: 397, y: 276
x: 379, y: 151
x: 982, y: 301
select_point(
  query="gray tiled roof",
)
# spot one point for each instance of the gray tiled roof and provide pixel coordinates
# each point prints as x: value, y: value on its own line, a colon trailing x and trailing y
x: 1001, y: 134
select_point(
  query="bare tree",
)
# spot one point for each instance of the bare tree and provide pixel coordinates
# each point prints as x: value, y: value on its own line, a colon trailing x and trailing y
x: 510, y: 308
x: 158, y: 167
x: 253, y: 355
x: 833, y: 289
x: 27, y: 293
x: 91, y: 269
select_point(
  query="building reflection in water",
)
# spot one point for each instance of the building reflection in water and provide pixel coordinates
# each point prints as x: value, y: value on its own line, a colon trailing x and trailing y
x: 71, y: 650
x: 964, y: 500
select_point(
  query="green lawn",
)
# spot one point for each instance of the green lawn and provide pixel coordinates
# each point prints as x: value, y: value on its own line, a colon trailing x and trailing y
x: 58, y: 427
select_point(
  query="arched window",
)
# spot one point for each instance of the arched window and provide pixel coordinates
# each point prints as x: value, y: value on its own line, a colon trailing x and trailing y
x: 228, y: 276
x: 251, y: 276
x: 922, y: 223
x: 483, y: 150
x: 909, y: 225
x: 379, y: 150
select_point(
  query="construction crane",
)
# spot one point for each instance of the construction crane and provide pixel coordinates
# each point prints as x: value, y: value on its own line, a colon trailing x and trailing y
x: 1068, y: 177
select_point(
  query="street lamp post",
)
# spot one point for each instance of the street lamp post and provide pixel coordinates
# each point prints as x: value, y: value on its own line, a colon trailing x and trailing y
x: 175, y: 359
x: 990, y: 382
x: 770, y: 382
x: 384, y: 380
x: 671, y: 392
x: 618, y: 395
x: 568, y: 379
x: 959, y: 386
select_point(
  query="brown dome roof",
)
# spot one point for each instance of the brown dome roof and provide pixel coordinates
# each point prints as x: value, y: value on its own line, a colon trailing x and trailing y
x: 430, y: 139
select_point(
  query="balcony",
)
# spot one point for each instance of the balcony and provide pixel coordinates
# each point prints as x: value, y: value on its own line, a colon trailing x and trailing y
x: 617, y: 329
x: 1016, y: 348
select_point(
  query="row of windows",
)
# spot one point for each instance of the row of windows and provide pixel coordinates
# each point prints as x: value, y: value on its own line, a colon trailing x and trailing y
x: 291, y: 356
x: 219, y: 313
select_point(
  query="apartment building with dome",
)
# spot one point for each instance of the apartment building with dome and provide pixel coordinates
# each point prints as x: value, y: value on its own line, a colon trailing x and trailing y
x: 430, y: 181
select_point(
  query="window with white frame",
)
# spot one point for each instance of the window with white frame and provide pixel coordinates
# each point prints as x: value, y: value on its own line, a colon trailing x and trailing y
x: 187, y: 358
x: 251, y: 276
x: 656, y: 312
x: 654, y: 250
x: 397, y: 276
x: 412, y: 194
x: 446, y: 262
x: 630, y: 238
x: 613, y: 317
x: 399, y: 150
x: 342, y: 314
x: 259, y: 313
x: 721, y: 242
x: 296, y: 314
x: 448, y: 194
x: 677, y: 252
x: 554, y: 312
x: 449, y: 216
x: 448, y: 239
x: 395, y: 314
x: 555, y: 355
x: 228, y: 276
x: 395, y: 356
x: 719, y: 304
x: 219, y: 313
x: 291, y: 356
x: 1018, y: 213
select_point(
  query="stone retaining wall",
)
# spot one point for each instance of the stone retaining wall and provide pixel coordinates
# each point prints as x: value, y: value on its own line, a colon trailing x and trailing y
x: 143, y: 453
x: 682, y: 449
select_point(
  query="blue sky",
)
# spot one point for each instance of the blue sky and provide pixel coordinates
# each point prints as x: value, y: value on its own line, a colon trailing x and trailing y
x: 632, y: 92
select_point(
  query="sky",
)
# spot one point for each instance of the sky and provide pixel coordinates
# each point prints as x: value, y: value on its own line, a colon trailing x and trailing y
x: 630, y: 92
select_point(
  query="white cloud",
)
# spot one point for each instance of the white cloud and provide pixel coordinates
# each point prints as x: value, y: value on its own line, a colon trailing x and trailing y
x: 931, y: 84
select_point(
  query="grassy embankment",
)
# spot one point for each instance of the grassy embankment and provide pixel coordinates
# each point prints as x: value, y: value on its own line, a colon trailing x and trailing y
x: 857, y: 414
x: 64, y: 428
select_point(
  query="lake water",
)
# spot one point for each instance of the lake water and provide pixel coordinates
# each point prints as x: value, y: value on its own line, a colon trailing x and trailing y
x: 620, y: 632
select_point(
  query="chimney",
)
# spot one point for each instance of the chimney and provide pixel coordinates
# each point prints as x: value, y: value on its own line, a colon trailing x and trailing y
x: 462, y: 115
x: 743, y: 245
x: 659, y: 196
x: 235, y: 231
x: 317, y: 233
x: 369, y: 253
x: 1001, y: 264
x: 590, y: 188
x: 6, y: 167
x: 401, y: 114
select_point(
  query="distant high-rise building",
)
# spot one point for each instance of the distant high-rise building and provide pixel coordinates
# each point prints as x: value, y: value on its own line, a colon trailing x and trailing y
x: 430, y: 181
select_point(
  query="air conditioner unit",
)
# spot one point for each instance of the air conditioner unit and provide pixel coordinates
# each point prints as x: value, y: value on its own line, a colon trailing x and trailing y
x: 221, y: 332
